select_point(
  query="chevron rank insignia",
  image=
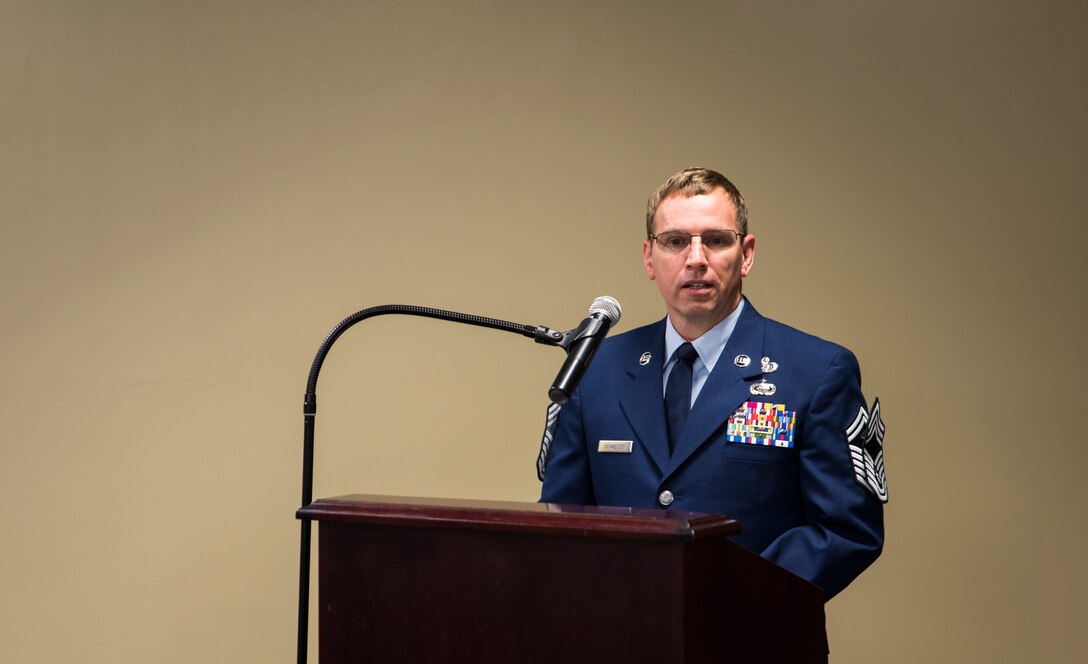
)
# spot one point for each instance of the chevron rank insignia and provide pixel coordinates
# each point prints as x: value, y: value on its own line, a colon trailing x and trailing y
x: 865, y: 438
x: 546, y: 441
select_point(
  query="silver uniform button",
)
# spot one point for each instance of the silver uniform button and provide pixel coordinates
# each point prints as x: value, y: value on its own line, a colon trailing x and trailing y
x: 666, y: 498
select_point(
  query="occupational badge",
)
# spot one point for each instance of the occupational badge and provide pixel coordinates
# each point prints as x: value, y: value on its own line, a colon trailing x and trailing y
x: 763, y: 389
x: 767, y: 366
x: 865, y: 438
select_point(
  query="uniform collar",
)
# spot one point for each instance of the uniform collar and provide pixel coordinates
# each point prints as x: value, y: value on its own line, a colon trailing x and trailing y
x: 710, y: 344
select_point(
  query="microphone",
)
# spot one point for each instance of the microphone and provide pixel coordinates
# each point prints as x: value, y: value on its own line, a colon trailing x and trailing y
x: 586, y: 338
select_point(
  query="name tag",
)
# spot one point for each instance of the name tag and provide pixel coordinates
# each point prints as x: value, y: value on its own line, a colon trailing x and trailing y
x: 615, y: 446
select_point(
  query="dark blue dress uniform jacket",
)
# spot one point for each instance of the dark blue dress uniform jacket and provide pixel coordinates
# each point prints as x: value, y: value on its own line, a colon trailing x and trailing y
x: 799, y: 507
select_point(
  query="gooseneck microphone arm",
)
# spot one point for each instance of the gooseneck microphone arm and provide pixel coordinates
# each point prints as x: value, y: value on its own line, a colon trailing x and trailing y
x: 540, y: 334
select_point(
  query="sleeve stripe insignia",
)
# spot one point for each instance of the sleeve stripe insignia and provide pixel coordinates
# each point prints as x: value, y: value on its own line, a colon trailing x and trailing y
x: 546, y: 441
x: 865, y: 438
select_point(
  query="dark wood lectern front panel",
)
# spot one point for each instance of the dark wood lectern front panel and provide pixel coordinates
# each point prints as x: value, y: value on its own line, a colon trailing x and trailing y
x: 409, y: 580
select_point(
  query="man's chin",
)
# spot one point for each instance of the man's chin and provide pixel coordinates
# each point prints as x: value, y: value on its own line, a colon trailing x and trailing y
x: 711, y: 311
x: 698, y: 314
x: 696, y: 304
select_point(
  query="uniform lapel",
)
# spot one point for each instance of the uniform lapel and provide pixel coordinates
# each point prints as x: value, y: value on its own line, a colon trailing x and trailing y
x: 726, y: 388
x: 641, y: 398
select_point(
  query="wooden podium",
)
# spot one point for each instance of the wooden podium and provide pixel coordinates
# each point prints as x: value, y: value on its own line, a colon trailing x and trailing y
x: 429, y: 580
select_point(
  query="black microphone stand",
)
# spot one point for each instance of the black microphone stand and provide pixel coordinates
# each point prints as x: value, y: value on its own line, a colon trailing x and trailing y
x: 540, y: 334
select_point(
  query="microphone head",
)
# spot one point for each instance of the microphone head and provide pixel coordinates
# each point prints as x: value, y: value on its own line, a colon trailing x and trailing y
x: 607, y: 307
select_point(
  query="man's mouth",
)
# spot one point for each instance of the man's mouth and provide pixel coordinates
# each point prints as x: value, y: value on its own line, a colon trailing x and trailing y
x: 697, y: 285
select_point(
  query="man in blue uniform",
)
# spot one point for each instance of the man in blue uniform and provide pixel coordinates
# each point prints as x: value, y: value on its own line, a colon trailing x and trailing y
x: 718, y: 409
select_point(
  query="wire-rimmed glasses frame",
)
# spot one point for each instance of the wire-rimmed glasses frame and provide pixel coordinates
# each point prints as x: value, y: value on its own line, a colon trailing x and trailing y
x: 716, y: 240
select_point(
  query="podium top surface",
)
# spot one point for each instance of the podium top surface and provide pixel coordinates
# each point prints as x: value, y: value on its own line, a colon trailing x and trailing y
x: 545, y: 518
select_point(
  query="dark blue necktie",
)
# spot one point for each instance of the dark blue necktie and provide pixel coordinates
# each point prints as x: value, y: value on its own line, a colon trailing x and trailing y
x: 678, y: 393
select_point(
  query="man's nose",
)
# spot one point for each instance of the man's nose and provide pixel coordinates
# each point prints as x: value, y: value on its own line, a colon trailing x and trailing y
x: 696, y: 253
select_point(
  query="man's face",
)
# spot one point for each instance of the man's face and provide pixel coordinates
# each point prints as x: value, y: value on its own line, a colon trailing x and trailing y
x: 700, y: 287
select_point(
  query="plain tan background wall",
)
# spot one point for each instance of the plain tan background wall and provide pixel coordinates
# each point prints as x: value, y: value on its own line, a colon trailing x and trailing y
x: 193, y: 193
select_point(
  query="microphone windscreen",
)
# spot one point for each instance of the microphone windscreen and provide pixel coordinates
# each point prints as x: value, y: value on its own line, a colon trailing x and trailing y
x: 607, y: 307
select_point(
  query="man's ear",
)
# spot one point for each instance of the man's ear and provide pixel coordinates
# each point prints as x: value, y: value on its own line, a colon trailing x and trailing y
x: 748, y: 255
x: 648, y: 259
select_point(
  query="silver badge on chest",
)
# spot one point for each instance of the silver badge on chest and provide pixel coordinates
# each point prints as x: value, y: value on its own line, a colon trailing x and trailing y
x: 763, y: 389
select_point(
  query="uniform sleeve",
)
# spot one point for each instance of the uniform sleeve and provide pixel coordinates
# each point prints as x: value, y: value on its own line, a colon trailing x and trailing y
x: 843, y: 531
x: 566, y: 469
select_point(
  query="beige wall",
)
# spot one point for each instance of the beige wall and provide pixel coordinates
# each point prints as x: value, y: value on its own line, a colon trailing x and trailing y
x: 193, y: 193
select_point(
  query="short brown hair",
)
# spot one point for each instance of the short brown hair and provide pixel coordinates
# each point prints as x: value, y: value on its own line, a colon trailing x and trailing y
x: 694, y: 182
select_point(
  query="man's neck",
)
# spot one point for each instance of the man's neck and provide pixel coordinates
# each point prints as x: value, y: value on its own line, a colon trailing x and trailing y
x: 691, y: 330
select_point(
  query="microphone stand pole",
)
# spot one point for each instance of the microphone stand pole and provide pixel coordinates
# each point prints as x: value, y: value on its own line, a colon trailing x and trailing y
x: 540, y: 334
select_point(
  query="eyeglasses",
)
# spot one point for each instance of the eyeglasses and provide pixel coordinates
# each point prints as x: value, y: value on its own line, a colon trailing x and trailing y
x: 675, y: 242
